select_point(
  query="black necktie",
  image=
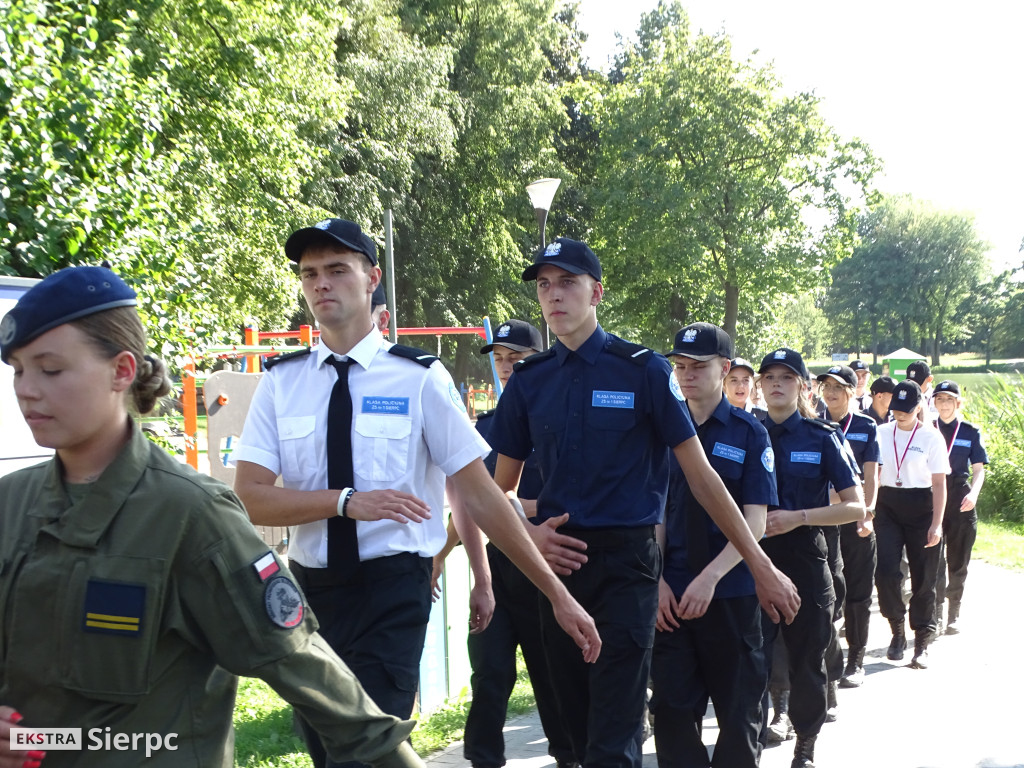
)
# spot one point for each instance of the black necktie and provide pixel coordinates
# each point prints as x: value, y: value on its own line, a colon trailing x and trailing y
x: 775, y: 433
x: 342, y: 544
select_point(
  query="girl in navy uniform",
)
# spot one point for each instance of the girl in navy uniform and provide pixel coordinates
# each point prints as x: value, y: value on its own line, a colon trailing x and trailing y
x: 967, y: 460
x: 909, y: 511
x: 809, y: 457
x: 857, y: 539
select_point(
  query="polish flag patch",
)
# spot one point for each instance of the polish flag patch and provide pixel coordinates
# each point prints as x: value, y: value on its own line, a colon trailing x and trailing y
x: 266, y: 566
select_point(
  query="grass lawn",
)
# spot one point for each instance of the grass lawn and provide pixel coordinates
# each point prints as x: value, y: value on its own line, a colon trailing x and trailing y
x: 264, y: 737
x: 1000, y: 544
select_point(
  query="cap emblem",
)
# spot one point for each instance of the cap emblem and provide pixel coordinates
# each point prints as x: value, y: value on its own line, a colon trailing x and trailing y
x: 503, y: 331
x: 780, y: 354
x: 834, y: 369
x: 690, y: 335
x: 553, y: 250
x: 903, y: 395
x: 8, y: 329
x: 326, y: 224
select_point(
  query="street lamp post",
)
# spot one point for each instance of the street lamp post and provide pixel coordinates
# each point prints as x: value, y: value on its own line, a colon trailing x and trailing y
x: 542, y: 192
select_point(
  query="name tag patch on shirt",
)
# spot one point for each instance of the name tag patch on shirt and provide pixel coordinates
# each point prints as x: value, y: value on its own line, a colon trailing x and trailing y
x: 729, y: 452
x: 605, y: 399
x: 962, y: 443
x: 860, y: 437
x: 397, y: 406
x: 805, y: 457
x: 114, y: 608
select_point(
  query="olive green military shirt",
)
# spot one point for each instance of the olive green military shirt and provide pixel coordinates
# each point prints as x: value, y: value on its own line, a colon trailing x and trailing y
x: 131, y: 611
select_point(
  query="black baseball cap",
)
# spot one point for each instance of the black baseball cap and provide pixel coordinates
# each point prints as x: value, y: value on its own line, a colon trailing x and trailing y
x: 378, y: 296
x: 63, y: 296
x: 905, y: 396
x: 517, y: 335
x: 882, y: 384
x: 948, y: 387
x: 702, y: 341
x: 739, y: 362
x: 859, y: 365
x: 571, y: 255
x: 787, y: 357
x: 842, y: 373
x: 332, y: 232
x: 918, y: 371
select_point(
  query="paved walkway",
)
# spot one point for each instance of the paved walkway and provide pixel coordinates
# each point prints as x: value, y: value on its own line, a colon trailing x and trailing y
x: 965, y: 711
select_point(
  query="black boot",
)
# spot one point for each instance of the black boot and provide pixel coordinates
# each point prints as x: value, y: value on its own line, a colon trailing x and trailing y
x: 831, y: 702
x: 954, y: 614
x: 779, y: 729
x: 853, y: 675
x: 803, y: 755
x: 899, y: 641
x: 921, y: 640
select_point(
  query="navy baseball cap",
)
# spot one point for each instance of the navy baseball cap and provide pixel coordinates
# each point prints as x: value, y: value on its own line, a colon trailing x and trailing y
x: 517, y: 335
x: 859, y: 365
x: 948, y: 387
x: 66, y: 295
x: 882, y: 384
x: 905, y: 396
x: 842, y: 373
x: 332, y: 232
x: 702, y: 341
x: 378, y: 296
x: 918, y: 371
x: 739, y: 362
x: 571, y: 255
x: 787, y: 357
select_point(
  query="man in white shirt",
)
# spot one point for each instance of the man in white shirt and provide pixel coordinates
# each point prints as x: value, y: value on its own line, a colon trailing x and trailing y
x: 407, y: 431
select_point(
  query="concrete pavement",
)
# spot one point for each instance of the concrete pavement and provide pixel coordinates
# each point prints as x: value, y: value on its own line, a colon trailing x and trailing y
x: 965, y: 711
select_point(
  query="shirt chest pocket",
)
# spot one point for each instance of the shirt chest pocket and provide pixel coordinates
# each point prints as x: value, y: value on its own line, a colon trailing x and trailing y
x: 611, y: 419
x: 297, y: 436
x: 381, y: 451
x: 110, y: 627
x: 727, y: 469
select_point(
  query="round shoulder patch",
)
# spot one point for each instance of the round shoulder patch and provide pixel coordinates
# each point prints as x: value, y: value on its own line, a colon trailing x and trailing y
x: 283, y: 602
x: 453, y: 393
x: 673, y: 387
x: 768, y: 459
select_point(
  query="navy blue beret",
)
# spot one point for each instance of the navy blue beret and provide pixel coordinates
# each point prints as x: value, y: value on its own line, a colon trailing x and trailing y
x: 66, y: 295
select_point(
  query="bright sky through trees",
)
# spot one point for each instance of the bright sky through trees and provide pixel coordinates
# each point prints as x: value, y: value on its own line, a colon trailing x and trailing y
x: 933, y: 87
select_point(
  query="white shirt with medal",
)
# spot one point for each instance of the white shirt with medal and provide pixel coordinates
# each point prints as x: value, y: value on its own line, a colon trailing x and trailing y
x: 910, y: 458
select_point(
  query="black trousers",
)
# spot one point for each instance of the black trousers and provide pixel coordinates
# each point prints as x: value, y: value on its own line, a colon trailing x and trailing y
x: 903, y: 517
x: 836, y: 567
x: 377, y: 623
x: 959, y: 532
x: 602, y: 704
x: 860, y: 555
x: 492, y: 654
x: 717, y: 656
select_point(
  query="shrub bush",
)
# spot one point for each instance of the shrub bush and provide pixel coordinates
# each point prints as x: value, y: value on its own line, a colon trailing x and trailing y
x: 999, y: 413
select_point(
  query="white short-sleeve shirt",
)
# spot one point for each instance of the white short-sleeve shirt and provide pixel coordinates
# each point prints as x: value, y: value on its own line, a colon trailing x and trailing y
x: 409, y: 431
x: 925, y: 456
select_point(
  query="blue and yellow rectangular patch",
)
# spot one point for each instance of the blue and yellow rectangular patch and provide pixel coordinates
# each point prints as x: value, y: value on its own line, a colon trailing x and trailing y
x: 114, y: 608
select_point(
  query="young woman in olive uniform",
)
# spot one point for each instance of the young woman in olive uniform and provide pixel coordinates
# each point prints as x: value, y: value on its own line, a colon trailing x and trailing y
x: 132, y: 588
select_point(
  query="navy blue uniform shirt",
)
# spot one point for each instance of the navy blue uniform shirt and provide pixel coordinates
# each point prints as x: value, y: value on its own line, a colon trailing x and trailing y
x: 601, y: 420
x: 808, y: 458
x: 968, y: 448
x: 530, y: 483
x: 738, y: 449
x: 862, y: 436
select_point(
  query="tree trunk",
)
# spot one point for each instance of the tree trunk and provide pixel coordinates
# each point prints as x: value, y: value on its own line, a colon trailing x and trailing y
x: 906, y: 332
x: 732, y: 309
x: 874, y: 340
x: 936, y: 349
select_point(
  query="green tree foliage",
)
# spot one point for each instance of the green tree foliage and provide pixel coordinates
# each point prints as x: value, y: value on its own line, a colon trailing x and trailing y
x: 718, y: 192
x: 914, y: 267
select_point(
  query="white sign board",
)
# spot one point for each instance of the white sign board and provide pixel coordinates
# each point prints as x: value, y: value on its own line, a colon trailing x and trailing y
x: 17, y: 448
